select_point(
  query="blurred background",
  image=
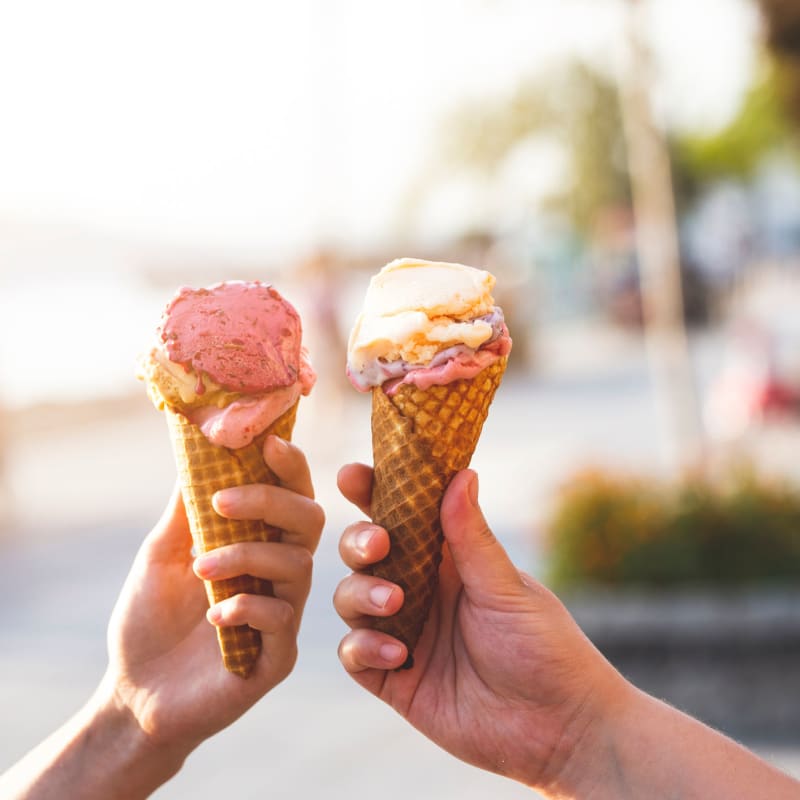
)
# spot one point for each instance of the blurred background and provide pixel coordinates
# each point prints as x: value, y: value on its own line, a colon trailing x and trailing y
x: 629, y: 171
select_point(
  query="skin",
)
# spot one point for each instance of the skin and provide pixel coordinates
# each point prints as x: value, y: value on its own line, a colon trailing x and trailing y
x: 504, y: 678
x: 165, y: 689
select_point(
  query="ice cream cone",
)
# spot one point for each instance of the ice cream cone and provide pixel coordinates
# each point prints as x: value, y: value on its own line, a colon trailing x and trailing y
x: 228, y: 367
x: 420, y: 439
x: 203, y: 469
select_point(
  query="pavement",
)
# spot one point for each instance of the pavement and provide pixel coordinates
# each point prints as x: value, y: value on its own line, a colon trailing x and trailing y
x: 83, y: 490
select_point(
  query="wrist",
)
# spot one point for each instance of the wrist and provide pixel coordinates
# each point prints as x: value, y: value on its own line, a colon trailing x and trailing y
x: 132, y: 762
x: 641, y: 747
x: 586, y: 763
x: 101, y: 753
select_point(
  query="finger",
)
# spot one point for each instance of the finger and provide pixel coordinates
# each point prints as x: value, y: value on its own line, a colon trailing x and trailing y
x: 363, y: 544
x: 276, y: 621
x: 364, y: 649
x: 289, y: 463
x: 265, y: 614
x: 300, y: 517
x: 288, y: 566
x: 480, y: 560
x: 359, y: 597
x: 355, y: 483
x: 170, y: 539
x: 278, y: 654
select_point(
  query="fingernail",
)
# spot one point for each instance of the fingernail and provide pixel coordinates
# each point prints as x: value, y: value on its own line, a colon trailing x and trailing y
x: 379, y: 595
x: 206, y: 565
x: 390, y: 652
x: 214, y: 615
x: 225, y: 500
x: 363, y: 539
x: 472, y: 489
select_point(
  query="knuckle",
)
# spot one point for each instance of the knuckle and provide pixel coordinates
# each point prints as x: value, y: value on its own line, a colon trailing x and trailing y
x: 350, y: 654
x: 284, y: 614
x: 318, y: 516
x: 235, y: 609
x: 342, y: 595
x: 263, y: 496
x: 345, y: 650
x: 348, y: 541
x: 290, y: 659
x: 337, y: 595
x: 297, y: 562
x: 304, y: 561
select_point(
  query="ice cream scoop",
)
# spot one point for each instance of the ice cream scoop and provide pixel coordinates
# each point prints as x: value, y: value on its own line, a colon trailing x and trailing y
x: 425, y: 322
x: 230, y: 359
x: 228, y: 368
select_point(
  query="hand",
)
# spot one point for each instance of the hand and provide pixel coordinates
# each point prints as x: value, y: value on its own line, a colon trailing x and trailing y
x: 166, y: 688
x: 503, y: 677
x: 165, y: 667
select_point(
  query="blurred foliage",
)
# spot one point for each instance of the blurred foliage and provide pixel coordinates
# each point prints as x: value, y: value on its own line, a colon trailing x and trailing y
x: 576, y: 106
x: 621, y: 530
x: 762, y: 125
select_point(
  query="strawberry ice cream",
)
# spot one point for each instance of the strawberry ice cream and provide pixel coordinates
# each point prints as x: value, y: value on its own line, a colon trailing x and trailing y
x: 230, y: 359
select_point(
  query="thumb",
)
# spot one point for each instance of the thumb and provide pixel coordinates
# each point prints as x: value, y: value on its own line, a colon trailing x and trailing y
x: 170, y: 538
x: 480, y: 560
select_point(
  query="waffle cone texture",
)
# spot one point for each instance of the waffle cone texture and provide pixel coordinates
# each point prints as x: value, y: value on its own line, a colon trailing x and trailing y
x: 420, y: 439
x: 203, y: 469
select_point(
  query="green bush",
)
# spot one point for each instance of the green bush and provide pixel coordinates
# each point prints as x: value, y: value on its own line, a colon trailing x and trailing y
x: 622, y: 530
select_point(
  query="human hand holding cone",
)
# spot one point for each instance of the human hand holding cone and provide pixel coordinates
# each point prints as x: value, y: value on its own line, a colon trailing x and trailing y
x: 228, y: 371
x: 432, y: 347
x: 420, y: 440
x: 204, y: 469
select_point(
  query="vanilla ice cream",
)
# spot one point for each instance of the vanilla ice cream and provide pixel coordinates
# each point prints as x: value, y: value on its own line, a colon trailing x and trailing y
x: 425, y: 322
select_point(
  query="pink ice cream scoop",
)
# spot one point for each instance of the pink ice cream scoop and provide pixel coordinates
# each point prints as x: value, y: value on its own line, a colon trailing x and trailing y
x: 239, y: 338
x: 244, y: 336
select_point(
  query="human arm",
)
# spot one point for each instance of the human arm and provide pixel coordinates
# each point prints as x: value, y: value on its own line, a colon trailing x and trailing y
x: 505, y: 680
x: 165, y: 689
x: 645, y: 748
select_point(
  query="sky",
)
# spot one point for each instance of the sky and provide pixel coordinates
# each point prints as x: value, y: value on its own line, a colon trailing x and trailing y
x: 260, y: 130
x: 262, y: 126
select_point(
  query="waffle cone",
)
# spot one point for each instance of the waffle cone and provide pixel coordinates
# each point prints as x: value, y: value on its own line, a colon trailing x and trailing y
x: 203, y: 469
x: 420, y: 439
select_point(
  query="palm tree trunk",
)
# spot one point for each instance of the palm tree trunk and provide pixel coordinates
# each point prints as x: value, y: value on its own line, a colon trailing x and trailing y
x: 658, y: 254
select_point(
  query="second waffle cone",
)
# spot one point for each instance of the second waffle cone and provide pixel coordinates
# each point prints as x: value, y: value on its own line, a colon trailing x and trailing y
x: 420, y: 439
x: 203, y: 469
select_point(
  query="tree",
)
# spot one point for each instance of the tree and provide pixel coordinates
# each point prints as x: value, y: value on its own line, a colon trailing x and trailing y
x: 577, y: 106
x: 783, y: 37
x: 762, y: 125
x: 658, y: 253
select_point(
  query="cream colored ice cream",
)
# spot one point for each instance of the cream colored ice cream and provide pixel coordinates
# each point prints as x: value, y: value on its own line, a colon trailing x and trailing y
x: 419, y: 315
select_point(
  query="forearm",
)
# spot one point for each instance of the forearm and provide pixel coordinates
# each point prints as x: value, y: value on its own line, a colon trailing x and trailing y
x: 99, y: 754
x: 650, y: 750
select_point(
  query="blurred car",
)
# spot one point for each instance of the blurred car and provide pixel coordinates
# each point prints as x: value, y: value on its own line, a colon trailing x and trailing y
x: 760, y: 377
